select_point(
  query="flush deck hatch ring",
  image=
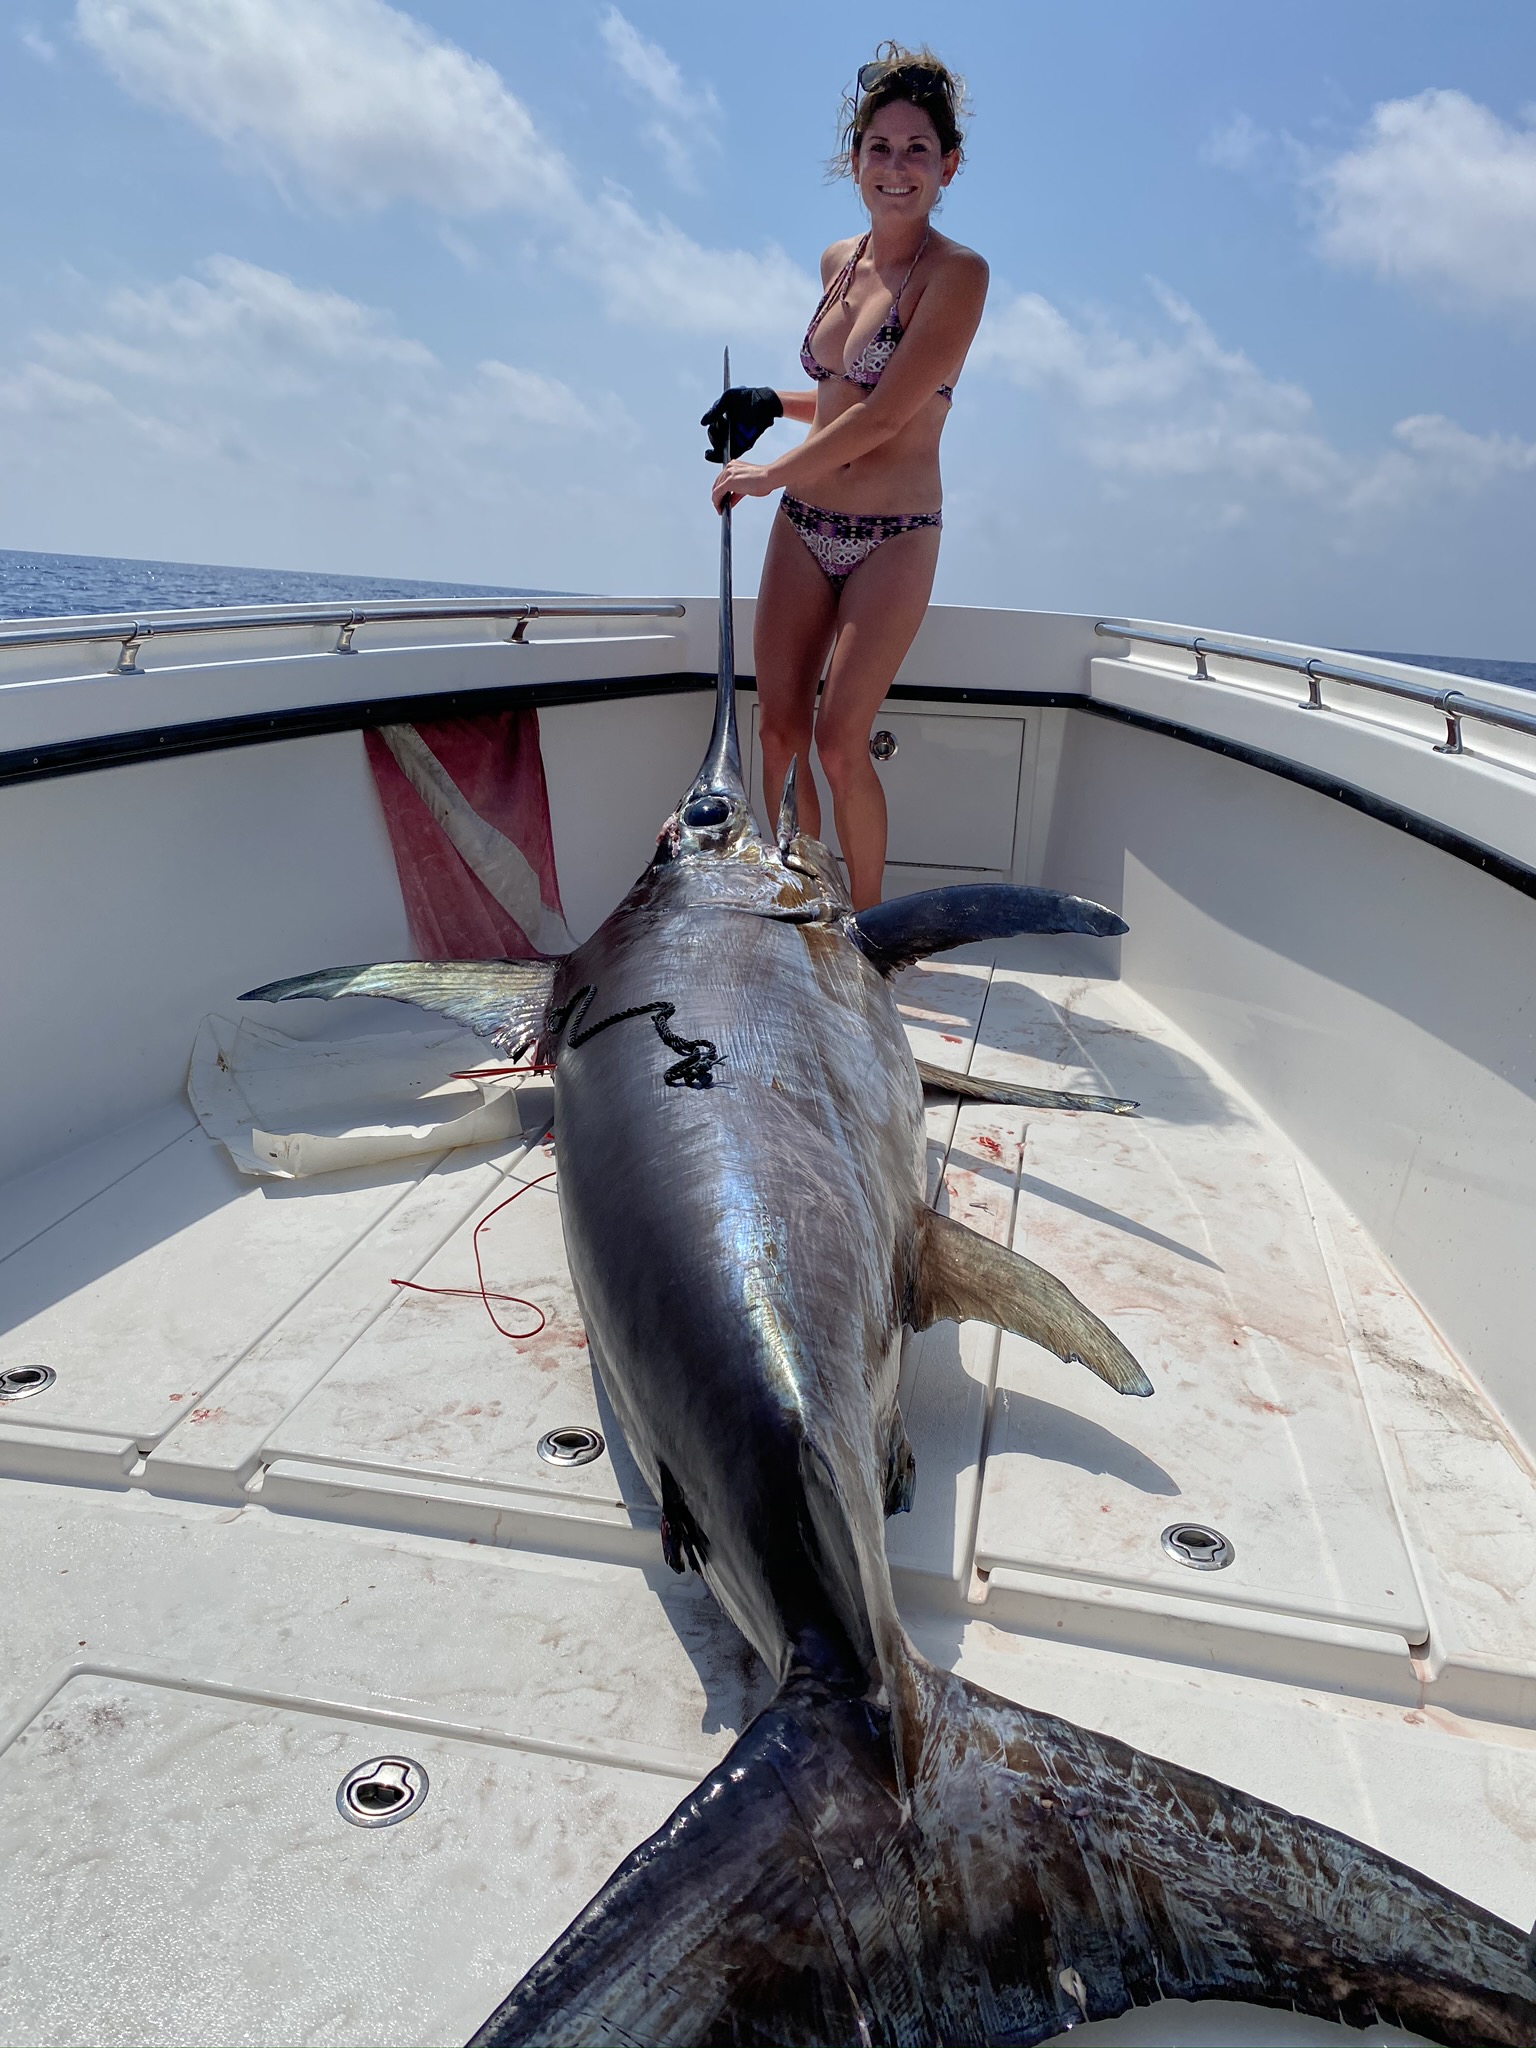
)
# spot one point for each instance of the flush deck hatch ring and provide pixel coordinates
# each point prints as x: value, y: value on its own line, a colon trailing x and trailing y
x: 382, y: 1791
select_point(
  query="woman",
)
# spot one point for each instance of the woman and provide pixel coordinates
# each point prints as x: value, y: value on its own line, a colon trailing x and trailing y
x: 852, y: 553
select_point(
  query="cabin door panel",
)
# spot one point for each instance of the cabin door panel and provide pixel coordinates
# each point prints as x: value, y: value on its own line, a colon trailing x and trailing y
x: 951, y: 790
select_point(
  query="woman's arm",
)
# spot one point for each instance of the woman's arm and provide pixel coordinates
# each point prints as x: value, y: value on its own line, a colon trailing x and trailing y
x: 942, y: 329
x: 799, y: 405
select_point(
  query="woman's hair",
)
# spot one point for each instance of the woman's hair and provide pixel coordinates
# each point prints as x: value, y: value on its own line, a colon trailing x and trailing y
x: 915, y: 77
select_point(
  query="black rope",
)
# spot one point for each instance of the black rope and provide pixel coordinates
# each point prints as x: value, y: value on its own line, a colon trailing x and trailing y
x: 693, y: 1070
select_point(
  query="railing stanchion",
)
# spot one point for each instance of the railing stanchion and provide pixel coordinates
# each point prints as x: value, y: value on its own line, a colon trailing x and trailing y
x: 1315, y: 668
x: 1451, y: 744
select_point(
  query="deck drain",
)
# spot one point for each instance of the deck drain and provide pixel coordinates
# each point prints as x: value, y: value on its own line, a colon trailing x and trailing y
x: 20, y: 1380
x: 1202, y: 1549
x: 570, y: 1446
x: 883, y: 745
x: 381, y: 1791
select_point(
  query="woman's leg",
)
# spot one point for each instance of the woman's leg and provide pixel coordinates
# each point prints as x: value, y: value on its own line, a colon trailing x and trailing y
x: 882, y: 606
x: 796, y: 612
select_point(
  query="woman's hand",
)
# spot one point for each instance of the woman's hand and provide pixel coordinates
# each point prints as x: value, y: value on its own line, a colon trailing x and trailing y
x: 741, y: 480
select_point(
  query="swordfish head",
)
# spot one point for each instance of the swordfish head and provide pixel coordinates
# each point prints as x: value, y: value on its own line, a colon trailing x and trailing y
x: 715, y: 817
x: 710, y: 848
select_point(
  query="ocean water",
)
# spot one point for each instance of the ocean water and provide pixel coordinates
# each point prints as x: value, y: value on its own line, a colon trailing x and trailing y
x: 1519, y: 675
x: 39, y: 586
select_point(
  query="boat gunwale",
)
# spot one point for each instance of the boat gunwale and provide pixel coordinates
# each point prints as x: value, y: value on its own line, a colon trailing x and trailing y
x: 54, y: 758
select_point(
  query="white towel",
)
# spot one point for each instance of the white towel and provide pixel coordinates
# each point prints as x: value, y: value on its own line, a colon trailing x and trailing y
x: 293, y: 1107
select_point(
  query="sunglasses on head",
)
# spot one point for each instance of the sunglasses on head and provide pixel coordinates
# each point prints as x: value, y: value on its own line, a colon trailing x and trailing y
x: 923, y: 76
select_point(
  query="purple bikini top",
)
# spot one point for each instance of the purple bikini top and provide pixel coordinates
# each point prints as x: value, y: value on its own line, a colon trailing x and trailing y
x: 881, y: 345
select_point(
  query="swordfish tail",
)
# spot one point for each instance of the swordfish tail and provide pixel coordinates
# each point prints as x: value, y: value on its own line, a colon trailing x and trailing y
x: 1015, y: 1876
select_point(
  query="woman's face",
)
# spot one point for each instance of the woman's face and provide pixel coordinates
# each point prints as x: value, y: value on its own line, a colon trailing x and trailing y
x: 900, y: 169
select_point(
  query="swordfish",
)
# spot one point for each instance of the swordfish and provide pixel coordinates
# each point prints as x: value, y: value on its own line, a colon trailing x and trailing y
x: 888, y: 1854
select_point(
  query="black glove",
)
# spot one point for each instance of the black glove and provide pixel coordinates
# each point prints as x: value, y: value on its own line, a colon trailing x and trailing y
x: 737, y: 418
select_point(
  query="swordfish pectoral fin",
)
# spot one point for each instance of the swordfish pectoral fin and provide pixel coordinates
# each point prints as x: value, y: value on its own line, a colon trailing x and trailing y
x: 908, y: 928
x: 961, y: 1277
x: 505, y: 1001
x: 971, y: 1088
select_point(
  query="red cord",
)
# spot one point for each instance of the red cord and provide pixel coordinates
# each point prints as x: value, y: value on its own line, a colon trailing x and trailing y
x: 498, y: 1073
x: 481, y: 1292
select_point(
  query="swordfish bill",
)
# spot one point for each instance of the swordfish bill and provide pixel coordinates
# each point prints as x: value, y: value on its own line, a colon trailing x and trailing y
x: 888, y: 1854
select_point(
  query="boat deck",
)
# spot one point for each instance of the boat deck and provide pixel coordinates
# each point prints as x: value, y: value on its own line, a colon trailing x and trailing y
x: 278, y: 1514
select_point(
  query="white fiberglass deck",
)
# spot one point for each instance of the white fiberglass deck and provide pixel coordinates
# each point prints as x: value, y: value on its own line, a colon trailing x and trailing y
x: 307, y: 1524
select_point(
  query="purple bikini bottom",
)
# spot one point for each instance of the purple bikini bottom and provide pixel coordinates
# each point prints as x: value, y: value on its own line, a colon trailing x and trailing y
x: 841, y: 540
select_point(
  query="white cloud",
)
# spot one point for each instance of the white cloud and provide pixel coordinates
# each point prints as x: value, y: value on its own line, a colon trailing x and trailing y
x: 528, y: 397
x: 1439, y: 192
x: 1238, y: 145
x: 1477, y: 457
x: 352, y: 98
x: 1431, y: 459
x: 1178, y: 405
x: 245, y: 364
x: 683, y: 116
x: 50, y: 408
x: 361, y: 107
x: 36, y: 44
x: 240, y: 415
x: 647, y: 66
x: 460, y: 248
x: 239, y: 324
x: 652, y: 273
x: 34, y: 388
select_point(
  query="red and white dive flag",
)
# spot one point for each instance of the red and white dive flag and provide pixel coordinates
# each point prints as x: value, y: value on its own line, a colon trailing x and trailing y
x: 468, y: 817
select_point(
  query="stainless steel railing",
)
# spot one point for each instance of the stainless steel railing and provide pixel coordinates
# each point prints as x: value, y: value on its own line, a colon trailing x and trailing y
x: 132, y: 633
x: 1453, y: 705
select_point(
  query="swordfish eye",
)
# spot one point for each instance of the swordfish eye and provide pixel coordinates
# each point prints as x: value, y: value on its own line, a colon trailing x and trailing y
x: 706, y: 813
x: 707, y: 822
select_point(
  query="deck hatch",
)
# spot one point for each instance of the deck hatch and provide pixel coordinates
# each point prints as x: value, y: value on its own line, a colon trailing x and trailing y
x: 1202, y: 1549
x: 570, y: 1446
x: 381, y: 1792
x: 18, y: 1381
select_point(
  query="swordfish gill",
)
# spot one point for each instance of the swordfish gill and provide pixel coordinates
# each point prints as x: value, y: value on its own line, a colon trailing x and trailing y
x: 888, y: 1854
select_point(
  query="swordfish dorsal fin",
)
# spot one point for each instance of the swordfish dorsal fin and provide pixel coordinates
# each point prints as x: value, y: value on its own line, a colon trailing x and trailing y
x: 908, y: 928
x: 503, y: 1000
x: 1037, y: 1875
x: 961, y: 1277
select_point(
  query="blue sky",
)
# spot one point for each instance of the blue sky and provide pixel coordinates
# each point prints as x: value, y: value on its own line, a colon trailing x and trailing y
x: 441, y: 292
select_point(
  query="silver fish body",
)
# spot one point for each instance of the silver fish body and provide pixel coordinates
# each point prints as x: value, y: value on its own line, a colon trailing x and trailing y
x: 738, y: 1248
